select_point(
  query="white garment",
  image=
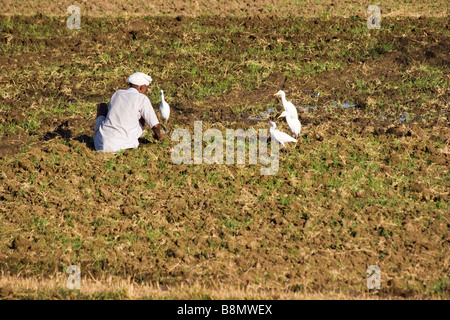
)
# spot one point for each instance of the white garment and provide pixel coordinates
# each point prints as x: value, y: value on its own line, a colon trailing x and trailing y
x: 121, y: 128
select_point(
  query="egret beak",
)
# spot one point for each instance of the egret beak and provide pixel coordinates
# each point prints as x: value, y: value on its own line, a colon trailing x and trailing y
x: 276, y: 94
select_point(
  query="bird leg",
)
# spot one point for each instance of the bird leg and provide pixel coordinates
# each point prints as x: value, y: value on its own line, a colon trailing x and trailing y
x: 165, y: 129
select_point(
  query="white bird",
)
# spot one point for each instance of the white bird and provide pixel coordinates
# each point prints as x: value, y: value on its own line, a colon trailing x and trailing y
x: 280, y: 136
x: 293, y: 123
x: 287, y: 105
x: 164, y: 108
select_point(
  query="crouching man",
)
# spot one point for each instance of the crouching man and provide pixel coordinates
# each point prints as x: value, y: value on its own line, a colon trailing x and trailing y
x: 120, y: 125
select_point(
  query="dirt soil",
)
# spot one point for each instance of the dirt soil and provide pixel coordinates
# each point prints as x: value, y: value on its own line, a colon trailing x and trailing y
x: 224, y: 8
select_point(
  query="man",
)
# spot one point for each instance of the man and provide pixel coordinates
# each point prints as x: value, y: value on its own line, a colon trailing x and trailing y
x: 120, y: 126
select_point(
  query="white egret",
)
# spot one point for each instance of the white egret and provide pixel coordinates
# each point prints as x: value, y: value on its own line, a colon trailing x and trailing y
x: 280, y: 136
x: 287, y: 105
x: 164, y: 108
x: 164, y: 111
x: 293, y: 123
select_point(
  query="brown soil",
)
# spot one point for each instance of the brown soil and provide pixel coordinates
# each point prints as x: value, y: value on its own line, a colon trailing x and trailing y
x: 222, y: 8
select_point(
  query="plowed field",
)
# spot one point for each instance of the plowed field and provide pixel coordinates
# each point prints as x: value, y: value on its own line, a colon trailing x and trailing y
x: 366, y: 184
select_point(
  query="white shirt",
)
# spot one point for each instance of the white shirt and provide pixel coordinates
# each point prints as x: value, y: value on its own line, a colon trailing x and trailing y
x: 121, y: 128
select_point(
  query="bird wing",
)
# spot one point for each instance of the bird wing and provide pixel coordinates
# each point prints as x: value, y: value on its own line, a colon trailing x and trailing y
x: 291, y: 109
x: 294, y: 125
x: 166, y: 106
x: 299, y: 129
x: 164, y: 110
x: 283, y: 137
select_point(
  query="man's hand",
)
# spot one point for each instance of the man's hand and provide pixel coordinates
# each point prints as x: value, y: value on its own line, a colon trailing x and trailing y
x: 157, y: 133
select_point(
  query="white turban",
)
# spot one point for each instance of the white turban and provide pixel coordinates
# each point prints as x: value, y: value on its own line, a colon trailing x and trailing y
x: 139, y: 79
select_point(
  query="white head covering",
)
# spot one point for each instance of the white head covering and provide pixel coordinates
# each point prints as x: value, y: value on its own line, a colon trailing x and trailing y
x: 139, y: 79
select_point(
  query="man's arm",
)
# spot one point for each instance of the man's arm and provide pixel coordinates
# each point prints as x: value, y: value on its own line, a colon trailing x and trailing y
x: 149, y: 116
x: 102, y: 109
